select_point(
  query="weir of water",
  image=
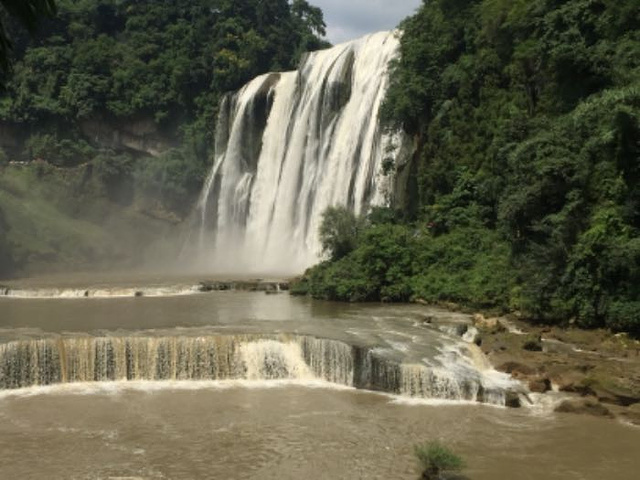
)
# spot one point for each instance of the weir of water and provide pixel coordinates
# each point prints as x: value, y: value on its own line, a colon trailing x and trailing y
x: 290, y: 144
x: 100, y: 292
x: 41, y: 362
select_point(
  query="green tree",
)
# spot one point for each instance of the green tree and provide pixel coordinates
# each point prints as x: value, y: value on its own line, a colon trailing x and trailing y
x: 28, y: 13
x: 339, y: 232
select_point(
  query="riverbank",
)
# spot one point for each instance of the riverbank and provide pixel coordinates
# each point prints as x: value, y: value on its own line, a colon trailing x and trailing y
x: 597, y: 370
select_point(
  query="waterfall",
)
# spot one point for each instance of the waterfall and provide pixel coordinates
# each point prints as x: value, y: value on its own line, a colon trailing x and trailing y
x: 103, y: 293
x: 28, y: 363
x: 290, y: 144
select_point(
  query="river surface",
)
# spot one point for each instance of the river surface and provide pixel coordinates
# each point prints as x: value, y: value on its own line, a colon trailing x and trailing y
x: 256, y: 426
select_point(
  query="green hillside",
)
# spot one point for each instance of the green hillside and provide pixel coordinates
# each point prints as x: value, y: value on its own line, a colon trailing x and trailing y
x: 121, y: 97
x: 525, y: 188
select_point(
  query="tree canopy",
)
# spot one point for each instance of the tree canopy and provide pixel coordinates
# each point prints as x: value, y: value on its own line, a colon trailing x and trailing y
x: 527, y: 119
x: 164, y: 63
x: 28, y: 13
x: 158, y: 67
x: 165, y: 59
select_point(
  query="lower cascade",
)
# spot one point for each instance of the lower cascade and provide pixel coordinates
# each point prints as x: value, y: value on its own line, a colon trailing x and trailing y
x: 29, y: 363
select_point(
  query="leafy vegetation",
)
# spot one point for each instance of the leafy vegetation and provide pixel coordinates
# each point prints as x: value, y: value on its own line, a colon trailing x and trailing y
x: 339, y: 232
x: 436, y: 459
x: 394, y: 261
x: 28, y: 13
x: 156, y: 68
x: 169, y: 60
x: 123, y: 94
x: 527, y: 119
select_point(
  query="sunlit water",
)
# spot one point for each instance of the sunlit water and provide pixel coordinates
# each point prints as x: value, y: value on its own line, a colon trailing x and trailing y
x: 298, y: 427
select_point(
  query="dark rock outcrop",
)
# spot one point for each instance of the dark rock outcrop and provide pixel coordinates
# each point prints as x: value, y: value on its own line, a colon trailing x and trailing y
x: 583, y: 406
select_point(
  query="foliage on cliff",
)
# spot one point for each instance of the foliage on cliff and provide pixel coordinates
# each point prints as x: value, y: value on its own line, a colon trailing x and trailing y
x: 119, y: 61
x: 170, y: 60
x: 52, y: 218
x: 527, y: 116
x: 28, y: 13
x: 135, y: 62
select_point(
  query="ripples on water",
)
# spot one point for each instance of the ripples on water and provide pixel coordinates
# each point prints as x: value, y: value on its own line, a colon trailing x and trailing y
x: 285, y: 428
x: 237, y: 431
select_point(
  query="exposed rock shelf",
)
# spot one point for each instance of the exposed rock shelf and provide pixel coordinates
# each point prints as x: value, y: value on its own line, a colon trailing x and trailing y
x: 597, y: 371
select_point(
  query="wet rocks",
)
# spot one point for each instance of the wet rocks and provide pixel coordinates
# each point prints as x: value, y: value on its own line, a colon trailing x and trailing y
x: 516, y: 369
x: 572, y: 382
x: 539, y: 385
x: 584, y: 406
x: 493, y: 325
x: 631, y: 414
x: 589, y: 367
x: 245, y: 286
x: 209, y: 286
x: 512, y: 400
x: 533, y: 343
x: 537, y: 382
x: 613, y: 394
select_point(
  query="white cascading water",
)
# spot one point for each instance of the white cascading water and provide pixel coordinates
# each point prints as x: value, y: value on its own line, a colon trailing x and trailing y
x: 28, y: 363
x: 288, y: 145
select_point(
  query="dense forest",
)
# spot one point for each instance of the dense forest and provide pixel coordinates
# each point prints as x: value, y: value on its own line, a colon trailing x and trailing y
x: 112, y: 106
x: 525, y: 192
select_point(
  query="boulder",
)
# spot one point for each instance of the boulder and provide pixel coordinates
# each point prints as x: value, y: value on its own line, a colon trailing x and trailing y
x: 571, y: 382
x: 631, y: 414
x: 512, y: 400
x: 516, y: 369
x: 582, y: 406
x: 606, y: 390
x: 492, y: 324
x: 614, y: 395
x: 539, y: 385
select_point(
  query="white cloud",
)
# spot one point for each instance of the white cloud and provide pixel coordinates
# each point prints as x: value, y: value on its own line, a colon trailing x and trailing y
x: 349, y: 19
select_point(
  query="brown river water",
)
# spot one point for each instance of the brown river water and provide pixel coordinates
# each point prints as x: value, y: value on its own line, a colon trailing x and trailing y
x: 137, y: 393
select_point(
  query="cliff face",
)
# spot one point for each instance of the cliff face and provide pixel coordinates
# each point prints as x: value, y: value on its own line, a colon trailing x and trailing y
x: 140, y: 135
x: 12, y: 139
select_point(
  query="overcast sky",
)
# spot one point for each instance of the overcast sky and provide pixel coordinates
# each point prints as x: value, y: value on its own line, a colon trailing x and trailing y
x: 349, y: 19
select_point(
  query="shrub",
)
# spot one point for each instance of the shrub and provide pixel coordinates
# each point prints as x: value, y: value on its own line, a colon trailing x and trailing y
x: 64, y: 152
x: 467, y: 266
x: 435, y: 459
x: 339, y: 232
x: 625, y: 317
